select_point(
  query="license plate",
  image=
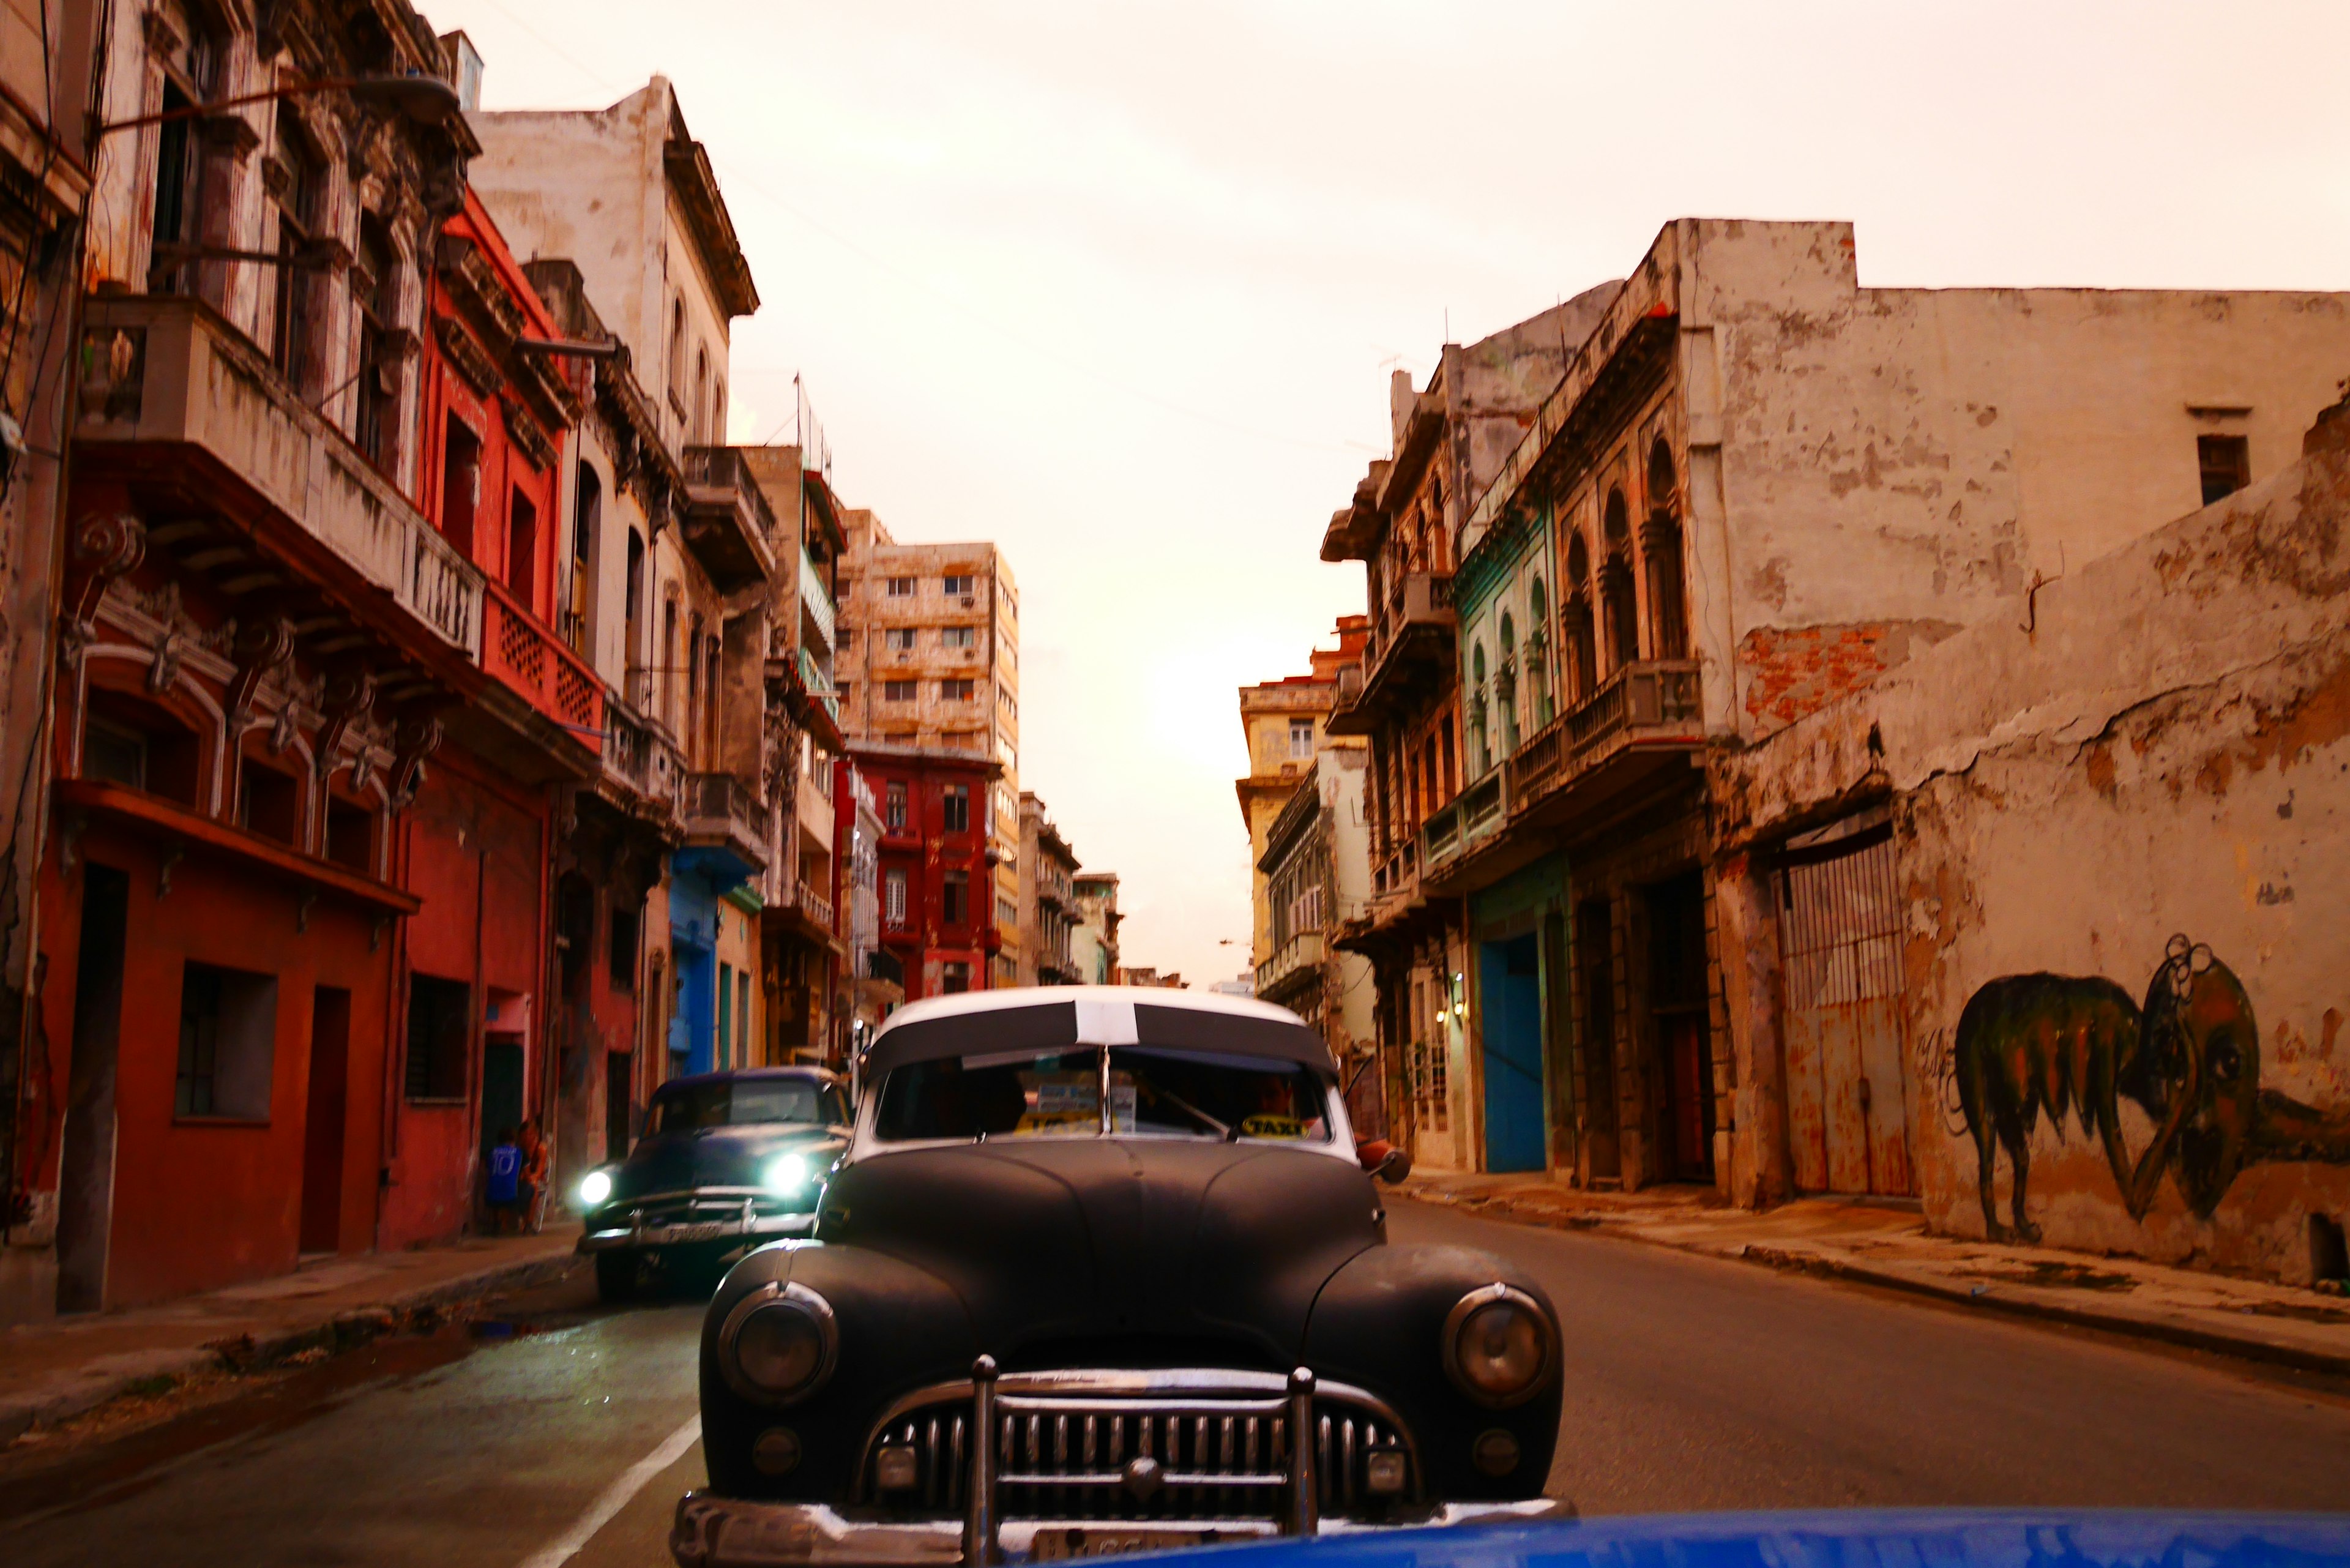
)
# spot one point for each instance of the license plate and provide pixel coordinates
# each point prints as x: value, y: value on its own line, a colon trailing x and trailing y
x: 1059, y: 1545
x: 704, y: 1230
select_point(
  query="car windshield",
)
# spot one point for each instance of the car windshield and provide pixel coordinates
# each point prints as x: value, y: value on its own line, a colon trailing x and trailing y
x: 1152, y: 1093
x: 743, y: 1102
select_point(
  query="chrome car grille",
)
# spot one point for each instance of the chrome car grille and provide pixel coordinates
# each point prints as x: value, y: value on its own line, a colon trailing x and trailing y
x: 1063, y: 1453
x: 706, y: 1207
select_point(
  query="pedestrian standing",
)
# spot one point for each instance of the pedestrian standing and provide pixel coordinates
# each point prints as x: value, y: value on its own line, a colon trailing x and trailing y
x: 501, y: 1181
x: 533, y: 1177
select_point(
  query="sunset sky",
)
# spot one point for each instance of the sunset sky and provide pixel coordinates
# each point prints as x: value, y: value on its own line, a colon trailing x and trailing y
x: 1119, y: 285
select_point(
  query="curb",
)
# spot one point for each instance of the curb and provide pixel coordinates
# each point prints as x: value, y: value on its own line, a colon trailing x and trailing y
x: 1832, y: 1266
x: 348, y: 1328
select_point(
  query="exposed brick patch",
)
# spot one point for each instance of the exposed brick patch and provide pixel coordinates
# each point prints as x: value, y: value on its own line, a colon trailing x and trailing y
x: 1795, y: 670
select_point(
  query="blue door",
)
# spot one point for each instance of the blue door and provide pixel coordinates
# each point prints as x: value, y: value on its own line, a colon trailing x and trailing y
x: 1510, y: 1000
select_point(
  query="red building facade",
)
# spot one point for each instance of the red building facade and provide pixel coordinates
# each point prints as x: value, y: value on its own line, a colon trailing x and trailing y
x: 308, y: 727
x: 936, y: 878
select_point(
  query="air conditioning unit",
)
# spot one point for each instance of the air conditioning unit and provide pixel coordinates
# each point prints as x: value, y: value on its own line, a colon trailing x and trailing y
x: 968, y: 602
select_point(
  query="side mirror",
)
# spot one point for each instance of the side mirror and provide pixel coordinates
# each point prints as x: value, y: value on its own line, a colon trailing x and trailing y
x: 1395, y: 1167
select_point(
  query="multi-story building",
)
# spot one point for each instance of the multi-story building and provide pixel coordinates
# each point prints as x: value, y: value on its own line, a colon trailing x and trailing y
x: 938, y: 861
x: 311, y: 706
x: 627, y: 197
x: 804, y: 947
x: 1048, y: 915
x: 1285, y: 724
x: 876, y: 982
x: 1316, y: 866
x: 623, y: 487
x: 1758, y: 487
x: 1092, y: 947
x: 45, y: 156
x: 1449, y: 440
x: 928, y: 659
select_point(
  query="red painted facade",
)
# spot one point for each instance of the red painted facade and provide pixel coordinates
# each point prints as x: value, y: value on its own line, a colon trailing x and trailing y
x: 921, y: 846
x: 287, y: 808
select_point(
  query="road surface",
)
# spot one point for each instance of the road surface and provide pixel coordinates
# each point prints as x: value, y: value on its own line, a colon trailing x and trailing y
x: 1692, y: 1384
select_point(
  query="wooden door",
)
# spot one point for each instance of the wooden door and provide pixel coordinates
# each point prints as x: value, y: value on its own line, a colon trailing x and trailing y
x: 1847, y: 1061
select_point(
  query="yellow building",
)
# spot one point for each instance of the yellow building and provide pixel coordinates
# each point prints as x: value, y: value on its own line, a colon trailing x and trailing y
x: 1285, y: 723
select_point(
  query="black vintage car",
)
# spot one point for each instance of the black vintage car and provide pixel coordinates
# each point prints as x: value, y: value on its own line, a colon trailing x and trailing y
x: 1102, y: 1273
x: 729, y: 1161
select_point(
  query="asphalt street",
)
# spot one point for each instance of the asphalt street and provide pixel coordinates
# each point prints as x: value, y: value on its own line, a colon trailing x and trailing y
x: 1692, y: 1384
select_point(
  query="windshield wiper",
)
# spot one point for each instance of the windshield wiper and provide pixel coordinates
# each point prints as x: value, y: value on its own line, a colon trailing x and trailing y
x: 1230, y: 1135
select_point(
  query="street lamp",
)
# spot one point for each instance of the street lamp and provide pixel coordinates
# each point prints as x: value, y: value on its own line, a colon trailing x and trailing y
x: 427, y: 101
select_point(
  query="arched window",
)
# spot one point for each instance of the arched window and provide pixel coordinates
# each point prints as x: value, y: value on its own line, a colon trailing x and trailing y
x: 1506, y: 686
x: 587, y: 521
x: 1478, y: 736
x: 698, y: 412
x: 1581, y: 652
x: 677, y: 348
x: 634, y: 587
x: 1538, y: 652
x: 1662, y: 554
x: 1619, y: 606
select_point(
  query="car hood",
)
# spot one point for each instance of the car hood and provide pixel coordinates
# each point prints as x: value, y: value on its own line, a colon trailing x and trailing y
x: 1130, y: 1240
x: 719, y: 1157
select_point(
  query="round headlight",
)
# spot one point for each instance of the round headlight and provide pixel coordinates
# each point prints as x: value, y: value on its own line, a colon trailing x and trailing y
x: 594, y: 1188
x: 787, y: 1174
x: 1497, y: 1345
x: 778, y: 1344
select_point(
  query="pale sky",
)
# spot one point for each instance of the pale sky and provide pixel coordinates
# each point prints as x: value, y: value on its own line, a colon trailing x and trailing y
x: 1119, y: 285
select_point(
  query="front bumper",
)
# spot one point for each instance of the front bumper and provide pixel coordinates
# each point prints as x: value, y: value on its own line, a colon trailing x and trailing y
x: 752, y: 1227
x: 714, y: 1532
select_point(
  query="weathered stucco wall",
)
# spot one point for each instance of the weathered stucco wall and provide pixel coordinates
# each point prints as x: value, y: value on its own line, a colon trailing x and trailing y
x: 1896, y: 463
x: 2164, y: 755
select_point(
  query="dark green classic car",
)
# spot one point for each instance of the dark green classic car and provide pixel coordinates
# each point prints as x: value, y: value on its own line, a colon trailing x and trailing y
x: 729, y: 1161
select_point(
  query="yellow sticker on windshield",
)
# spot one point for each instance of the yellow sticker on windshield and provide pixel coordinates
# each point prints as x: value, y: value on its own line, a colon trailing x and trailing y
x: 1273, y: 1126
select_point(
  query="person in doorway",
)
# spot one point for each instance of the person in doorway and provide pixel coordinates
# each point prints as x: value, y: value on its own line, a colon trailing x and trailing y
x: 533, y: 1205
x: 501, y: 1180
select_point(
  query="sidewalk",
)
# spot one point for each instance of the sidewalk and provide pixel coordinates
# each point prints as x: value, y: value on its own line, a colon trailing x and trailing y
x: 51, y: 1371
x: 1886, y: 1244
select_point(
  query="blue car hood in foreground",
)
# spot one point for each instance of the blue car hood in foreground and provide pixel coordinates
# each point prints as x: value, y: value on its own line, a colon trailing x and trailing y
x: 1842, y: 1538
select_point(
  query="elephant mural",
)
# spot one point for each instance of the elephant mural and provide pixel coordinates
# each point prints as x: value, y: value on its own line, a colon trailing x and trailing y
x: 2188, y: 1056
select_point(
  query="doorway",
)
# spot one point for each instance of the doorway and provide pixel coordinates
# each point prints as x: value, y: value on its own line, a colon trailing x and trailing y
x: 323, y: 1122
x: 1510, y: 977
x: 1847, y: 1061
x: 502, y: 1058
x: 85, y: 1171
x: 1596, y: 966
x: 1683, y: 1072
x: 619, y: 1113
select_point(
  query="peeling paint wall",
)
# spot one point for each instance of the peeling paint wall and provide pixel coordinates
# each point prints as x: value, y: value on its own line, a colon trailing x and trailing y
x: 2164, y: 755
x: 1894, y: 463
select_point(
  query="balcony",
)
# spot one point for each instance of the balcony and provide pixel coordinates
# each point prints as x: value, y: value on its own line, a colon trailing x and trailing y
x: 641, y: 771
x: 1289, y: 962
x: 174, y: 395
x: 817, y: 906
x: 1644, y: 709
x: 817, y: 602
x: 725, y: 826
x: 552, y: 678
x: 1408, y: 653
x: 727, y: 522
x: 1472, y: 817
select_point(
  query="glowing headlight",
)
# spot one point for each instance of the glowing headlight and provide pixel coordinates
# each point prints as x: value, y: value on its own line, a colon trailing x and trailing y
x: 1497, y: 1345
x: 595, y: 1188
x: 778, y: 1344
x: 788, y: 1174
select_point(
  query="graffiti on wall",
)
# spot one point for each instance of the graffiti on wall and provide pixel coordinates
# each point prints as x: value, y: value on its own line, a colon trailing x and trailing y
x: 2189, y: 1056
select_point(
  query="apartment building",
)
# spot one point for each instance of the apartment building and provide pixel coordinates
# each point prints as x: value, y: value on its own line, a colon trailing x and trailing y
x: 1093, y: 945
x: 1760, y: 487
x: 1287, y: 723
x: 1048, y: 915
x: 929, y: 662
x: 626, y: 195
